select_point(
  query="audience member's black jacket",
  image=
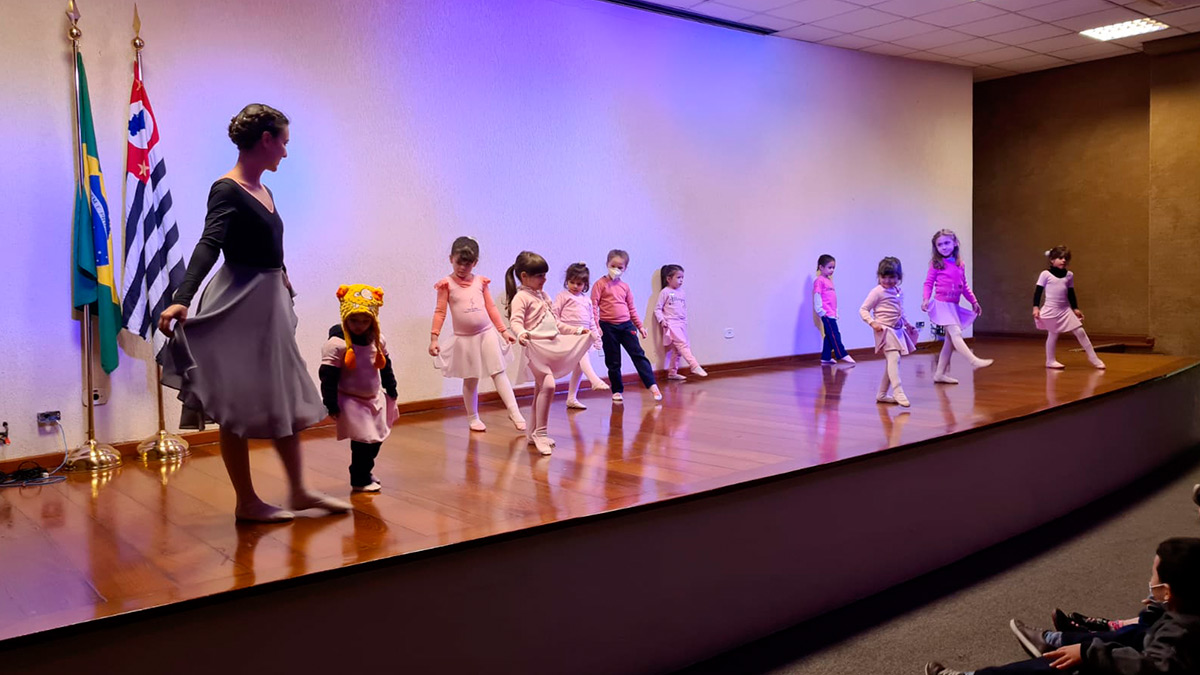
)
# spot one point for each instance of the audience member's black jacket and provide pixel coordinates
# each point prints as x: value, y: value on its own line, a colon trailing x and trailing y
x: 1172, y: 647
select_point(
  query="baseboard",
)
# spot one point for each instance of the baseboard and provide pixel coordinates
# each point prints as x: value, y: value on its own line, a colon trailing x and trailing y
x: 128, y: 449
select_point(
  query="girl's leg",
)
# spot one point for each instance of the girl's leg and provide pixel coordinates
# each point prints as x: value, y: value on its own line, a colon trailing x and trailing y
x: 573, y: 383
x: 839, y: 349
x: 471, y: 403
x: 235, y: 452
x: 672, y: 362
x: 645, y: 370
x: 960, y: 345
x: 288, y: 448
x: 893, y: 373
x: 505, y: 390
x: 362, y: 463
x: 543, y: 394
x: 1051, y: 344
x: 941, y: 372
x: 884, y: 385
x: 593, y: 377
x: 1084, y: 342
x: 612, y: 356
x: 685, y: 350
x: 827, y: 343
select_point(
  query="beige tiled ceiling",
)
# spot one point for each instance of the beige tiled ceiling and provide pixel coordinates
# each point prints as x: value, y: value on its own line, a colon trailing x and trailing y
x: 996, y: 38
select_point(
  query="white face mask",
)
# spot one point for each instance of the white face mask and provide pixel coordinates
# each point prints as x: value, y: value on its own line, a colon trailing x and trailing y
x: 615, y: 272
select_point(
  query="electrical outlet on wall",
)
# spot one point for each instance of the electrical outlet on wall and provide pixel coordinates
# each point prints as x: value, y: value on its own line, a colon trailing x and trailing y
x: 920, y: 324
x: 49, y: 417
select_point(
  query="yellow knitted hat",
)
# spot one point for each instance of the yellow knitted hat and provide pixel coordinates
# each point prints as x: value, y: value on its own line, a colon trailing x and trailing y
x: 361, y: 299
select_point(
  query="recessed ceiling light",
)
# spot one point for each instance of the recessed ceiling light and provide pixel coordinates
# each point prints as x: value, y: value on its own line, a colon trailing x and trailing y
x: 1125, y: 29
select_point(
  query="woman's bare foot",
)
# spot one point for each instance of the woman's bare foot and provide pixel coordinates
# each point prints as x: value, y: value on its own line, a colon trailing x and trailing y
x: 262, y: 512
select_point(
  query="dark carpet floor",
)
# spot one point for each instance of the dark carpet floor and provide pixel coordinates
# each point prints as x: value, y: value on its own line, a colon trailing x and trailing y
x: 1095, y: 560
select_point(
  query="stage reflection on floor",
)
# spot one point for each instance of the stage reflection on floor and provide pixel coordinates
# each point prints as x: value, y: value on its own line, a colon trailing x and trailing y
x: 151, y: 535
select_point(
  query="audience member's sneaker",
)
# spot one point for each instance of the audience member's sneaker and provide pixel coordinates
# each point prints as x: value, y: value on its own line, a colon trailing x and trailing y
x: 935, y: 668
x: 699, y: 372
x: 373, y: 486
x: 1030, y: 638
x: 1078, y: 623
x: 575, y: 404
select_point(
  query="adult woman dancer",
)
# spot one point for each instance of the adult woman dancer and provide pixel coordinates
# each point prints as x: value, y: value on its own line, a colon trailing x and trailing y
x: 237, y: 358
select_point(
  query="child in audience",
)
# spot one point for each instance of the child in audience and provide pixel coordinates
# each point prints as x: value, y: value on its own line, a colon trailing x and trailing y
x: 894, y: 335
x: 671, y: 314
x: 551, y: 348
x: 620, y: 326
x: 1170, y: 644
x: 573, y: 307
x: 825, y: 302
x: 1061, y: 312
x: 480, y: 344
x: 945, y: 284
x: 358, y: 386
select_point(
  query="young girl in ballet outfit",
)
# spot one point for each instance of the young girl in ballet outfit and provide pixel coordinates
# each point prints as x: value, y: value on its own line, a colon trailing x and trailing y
x: 573, y: 307
x: 671, y: 313
x: 825, y: 301
x: 620, y: 326
x: 894, y: 335
x: 358, y: 385
x: 1061, y: 312
x: 945, y: 283
x: 551, y: 348
x: 479, y: 346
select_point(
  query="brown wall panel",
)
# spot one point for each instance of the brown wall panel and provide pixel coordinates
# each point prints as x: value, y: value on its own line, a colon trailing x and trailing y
x: 1061, y: 156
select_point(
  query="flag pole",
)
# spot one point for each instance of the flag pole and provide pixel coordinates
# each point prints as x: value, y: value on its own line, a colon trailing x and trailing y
x: 91, y: 456
x: 162, y: 446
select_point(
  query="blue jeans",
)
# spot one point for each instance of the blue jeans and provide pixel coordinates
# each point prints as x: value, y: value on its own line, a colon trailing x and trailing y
x: 614, y: 336
x: 832, y: 348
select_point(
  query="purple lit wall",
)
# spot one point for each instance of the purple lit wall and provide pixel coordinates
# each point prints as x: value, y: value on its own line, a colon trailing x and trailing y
x: 567, y: 127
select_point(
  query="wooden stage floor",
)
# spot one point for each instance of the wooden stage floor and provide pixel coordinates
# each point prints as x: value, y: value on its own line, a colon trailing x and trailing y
x: 150, y: 536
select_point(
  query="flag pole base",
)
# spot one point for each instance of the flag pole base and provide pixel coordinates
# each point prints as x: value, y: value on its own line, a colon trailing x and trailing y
x: 93, y: 456
x: 163, y: 447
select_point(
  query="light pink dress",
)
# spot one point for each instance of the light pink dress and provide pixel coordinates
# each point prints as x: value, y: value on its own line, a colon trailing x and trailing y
x: 554, y: 347
x: 577, y: 310
x: 671, y: 313
x: 1056, y: 314
x: 886, y: 307
x: 366, y: 413
x: 477, y: 350
x: 943, y: 289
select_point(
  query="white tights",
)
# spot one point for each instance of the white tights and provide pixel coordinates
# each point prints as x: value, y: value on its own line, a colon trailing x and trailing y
x: 584, y: 369
x: 504, y: 388
x: 1081, y: 335
x: 954, y: 342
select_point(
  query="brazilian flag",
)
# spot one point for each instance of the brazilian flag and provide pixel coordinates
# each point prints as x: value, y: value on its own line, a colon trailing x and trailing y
x: 93, y: 281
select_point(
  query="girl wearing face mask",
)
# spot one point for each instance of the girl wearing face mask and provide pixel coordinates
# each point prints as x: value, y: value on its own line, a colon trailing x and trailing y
x: 1061, y: 312
x: 551, y: 348
x: 620, y: 326
x: 884, y: 311
x: 671, y: 313
x: 945, y: 284
x: 573, y: 306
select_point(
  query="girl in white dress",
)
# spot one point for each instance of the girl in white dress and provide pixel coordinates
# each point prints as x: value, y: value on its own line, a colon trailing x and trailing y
x: 1061, y: 312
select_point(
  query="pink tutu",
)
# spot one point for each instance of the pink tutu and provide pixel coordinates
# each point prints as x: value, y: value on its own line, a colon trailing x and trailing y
x: 474, y: 356
x: 550, y: 351
x: 944, y: 313
x: 1059, y: 321
x: 890, y: 339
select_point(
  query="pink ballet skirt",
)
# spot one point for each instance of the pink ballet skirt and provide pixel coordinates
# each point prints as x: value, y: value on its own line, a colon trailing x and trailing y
x: 890, y: 339
x: 944, y: 313
x: 480, y: 355
x: 550, y: 351
x: 674, y: 332
x: 1056, y: 314
x: 1058, y: 321
x: 366, y: 419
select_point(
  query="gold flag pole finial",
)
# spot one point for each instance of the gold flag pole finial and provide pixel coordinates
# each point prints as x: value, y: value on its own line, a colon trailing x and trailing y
x: 138, y: 42
x: 73, y: 15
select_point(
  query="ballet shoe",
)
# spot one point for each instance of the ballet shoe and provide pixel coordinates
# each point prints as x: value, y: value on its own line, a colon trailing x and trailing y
x: 944, y: 379
x: 541, y: 444
x: 1097, y: 364
x: 575, y: 404
x: 518, y: 422
x: 699, y: 372
x: 316, y: 500
x: 848, y: 360
x: 898, y: 394
x: 675, y: 376
x: 476, y: 425
x: 656, y: 393
x: 263, y: 513
x: 601, y: 386
x: 1055, y: 365
x: 884, y: 398
x: 617, y: 397
x: 982, y: 363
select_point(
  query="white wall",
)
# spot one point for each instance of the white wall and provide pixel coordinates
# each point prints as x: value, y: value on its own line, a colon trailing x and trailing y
x: 566, y: 127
